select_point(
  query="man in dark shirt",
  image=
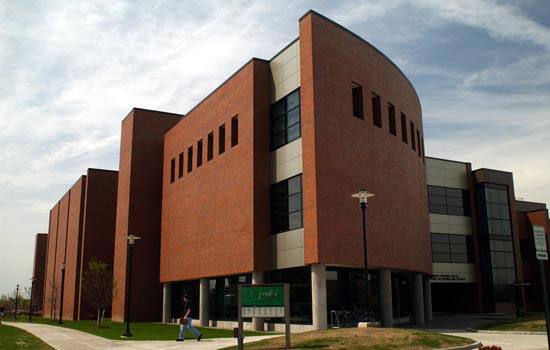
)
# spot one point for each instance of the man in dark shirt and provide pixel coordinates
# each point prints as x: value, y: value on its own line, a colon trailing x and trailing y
x: 186, y: 321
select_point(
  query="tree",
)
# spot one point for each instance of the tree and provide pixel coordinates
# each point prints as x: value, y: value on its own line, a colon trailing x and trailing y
x: 98, y: 286
x: 51, y: 301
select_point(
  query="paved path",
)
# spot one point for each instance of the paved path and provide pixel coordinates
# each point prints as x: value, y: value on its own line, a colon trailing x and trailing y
x: 69, y: 339
x: 506, y: 341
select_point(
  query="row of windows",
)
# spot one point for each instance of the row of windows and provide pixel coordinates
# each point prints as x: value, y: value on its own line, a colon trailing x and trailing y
x: 285, y: 125
x: 286, y: 205
x: 448, y: 201
x: 209, y: 150
x: 357, y: 99
x: 452, y: 248
x: 502, y: 261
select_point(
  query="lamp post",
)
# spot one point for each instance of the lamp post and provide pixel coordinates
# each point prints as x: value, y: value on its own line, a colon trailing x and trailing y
x: 131, y: 240
x: 33, y: 279
x: 16, y: 295
x: 62, y: 292
x: 363, y: 195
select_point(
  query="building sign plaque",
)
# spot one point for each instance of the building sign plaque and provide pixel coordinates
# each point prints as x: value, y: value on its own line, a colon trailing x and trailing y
x: 540, y: 243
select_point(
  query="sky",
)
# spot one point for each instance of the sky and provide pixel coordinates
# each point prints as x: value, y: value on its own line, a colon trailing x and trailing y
x: 70, y: 71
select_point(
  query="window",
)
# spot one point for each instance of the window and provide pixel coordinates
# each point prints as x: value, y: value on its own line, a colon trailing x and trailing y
x: 404, y: 128
x: 391, y: 118
x: 285, y: 120
x: 457, y: 249
x: 376, y: 110
x: 286, y: 205
x: 172, y: 170
x: 413, y: 143
x: 357, y: 94
x: 180, y: 165
x: 210, y: 153
x: 190, y: 159
x: 234, y: 131
x: 502, y: 261
x: 199, y: 153
x: 448, y: 201
x: 494, y: 211
x: 221, y: 139
x: 423, y: 150
x: 418, y: 141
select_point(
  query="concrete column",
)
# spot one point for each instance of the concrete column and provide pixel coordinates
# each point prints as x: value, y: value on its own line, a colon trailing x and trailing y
x: 319, y: 296
x: 428, y: 315
x: 418, y: 298
x: 203, y: 299
x: 167, y: 302
x: 258, y: 322
x: 386, y: 301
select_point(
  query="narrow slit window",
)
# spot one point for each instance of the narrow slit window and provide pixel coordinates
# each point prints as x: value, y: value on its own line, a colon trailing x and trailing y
x: 357, y: 95
x: 210, y: 153
x: 234, y: 131
x: 413, y: 143
x: 419, y: 145
x: 190, y: 159
x: 404, y: 128
x: 199, y: 153
x: 221, y: 136
x: 172, y: 170
x: 423, y: 150
x: 376, y: 110
x: 180, y: 165
x: 391, y: 117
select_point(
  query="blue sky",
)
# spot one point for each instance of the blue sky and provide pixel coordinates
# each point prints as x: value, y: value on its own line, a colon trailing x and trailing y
x: 70, y: 71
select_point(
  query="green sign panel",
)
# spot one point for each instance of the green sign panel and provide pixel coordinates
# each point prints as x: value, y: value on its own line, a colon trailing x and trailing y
x: 263, y: 296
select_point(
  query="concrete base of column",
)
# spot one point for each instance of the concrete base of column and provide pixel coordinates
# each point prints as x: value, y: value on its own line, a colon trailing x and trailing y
x: 386, y: 301
x: 258, y: 322
x: 204, y: 303
x: 428, y: 314
x: 418, y: 298
x: 319, y: 296
x: 167, y: 302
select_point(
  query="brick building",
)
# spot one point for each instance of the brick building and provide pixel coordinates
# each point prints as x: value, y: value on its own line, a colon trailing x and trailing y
x: 39, y: 269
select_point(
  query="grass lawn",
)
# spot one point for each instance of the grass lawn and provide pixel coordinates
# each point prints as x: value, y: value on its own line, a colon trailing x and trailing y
x: 531, y: 323
x: 17, y: 339
x: 362, y: 339
x: 139, y: 330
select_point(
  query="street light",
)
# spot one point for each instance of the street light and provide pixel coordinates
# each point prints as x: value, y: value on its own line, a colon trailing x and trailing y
x: 62, y: 292
x: 16, y: 295
x: 33, y: 279
x: 363, y: 195
x: 131, y: 240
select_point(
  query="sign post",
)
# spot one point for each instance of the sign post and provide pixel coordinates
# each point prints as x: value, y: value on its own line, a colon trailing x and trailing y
x: 264, y: 300
x: 542, y: 254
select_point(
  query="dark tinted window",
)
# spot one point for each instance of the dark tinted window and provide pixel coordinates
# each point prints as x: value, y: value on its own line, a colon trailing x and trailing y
x: 234, y: 131
x: 285, y: 125
x: 404, y: 128
x: 172, y: 170
x: 180, y: 165
x: 448, y: 201
x: 210, y: 152
x: 376, y: 110
x: 286, y: 205
x: 199, y: 153
x: 357, y: 97
x: 391, y: 119
x: 221, y: 139
x: 452, y: 248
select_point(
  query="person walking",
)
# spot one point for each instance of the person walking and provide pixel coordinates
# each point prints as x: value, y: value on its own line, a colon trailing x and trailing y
x: 186, y: 321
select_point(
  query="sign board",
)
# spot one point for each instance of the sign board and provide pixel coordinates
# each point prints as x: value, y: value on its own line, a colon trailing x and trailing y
x: 540, y: 243
x: 265, y: 301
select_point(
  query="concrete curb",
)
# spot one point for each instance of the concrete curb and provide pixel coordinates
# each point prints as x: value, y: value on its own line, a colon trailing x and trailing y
x: 504, y: 332
x: 476, y: 345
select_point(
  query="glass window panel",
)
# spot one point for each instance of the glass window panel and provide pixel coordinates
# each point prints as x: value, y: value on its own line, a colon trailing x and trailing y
x: 457, y: 239
x: 453, y: 192
x: 278, y: 108
x: 506, y: 228
x: 436, y: 190
x: 455, y: 211
x: 497, y: 245
x: 500, y: 260
x: 459, y: 258
x: 495, y: 211
x: 440, y: 238
x: 437, y: 200
x: 293, y: 100
x: 501, y: 276
x: 455, y: 202
x: 293, y: 132
x: 438, y: 209
x: 295, y: 184
x: 494, y: 276
x: 503, y: 197
x: 504, y: 213
x: 507, y: 246
x: 510, y: 276
x: 458, y: 248
x: 440, y: 248
x: 293, y: 117
x: 278, y: 140
x: 441, y: 257
x: 509, y: 260
x: 278, y: 125
x: 295, y: 220
x: 294, y: 203
x: 496, y: 227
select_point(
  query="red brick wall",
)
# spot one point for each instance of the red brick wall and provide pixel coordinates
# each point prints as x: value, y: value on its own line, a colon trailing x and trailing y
x: 50, y: 263
x: 208, y: 219
x: 98, y: 237
x: 342, y: 154
x: 531, y: 272
x: 139, y: 212
x: 39, y: 269
x: 60, y: 250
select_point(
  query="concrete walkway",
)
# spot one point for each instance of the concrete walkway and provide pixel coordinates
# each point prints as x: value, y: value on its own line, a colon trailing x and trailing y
x: 69, y: 339
x: 506, y: 341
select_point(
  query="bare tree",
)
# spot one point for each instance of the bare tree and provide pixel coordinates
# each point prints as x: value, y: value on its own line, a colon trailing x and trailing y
x: 51, y: 301
x: 98, y: 286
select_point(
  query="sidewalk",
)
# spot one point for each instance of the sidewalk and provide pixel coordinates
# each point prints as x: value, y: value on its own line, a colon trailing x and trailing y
x: 69, y: 339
